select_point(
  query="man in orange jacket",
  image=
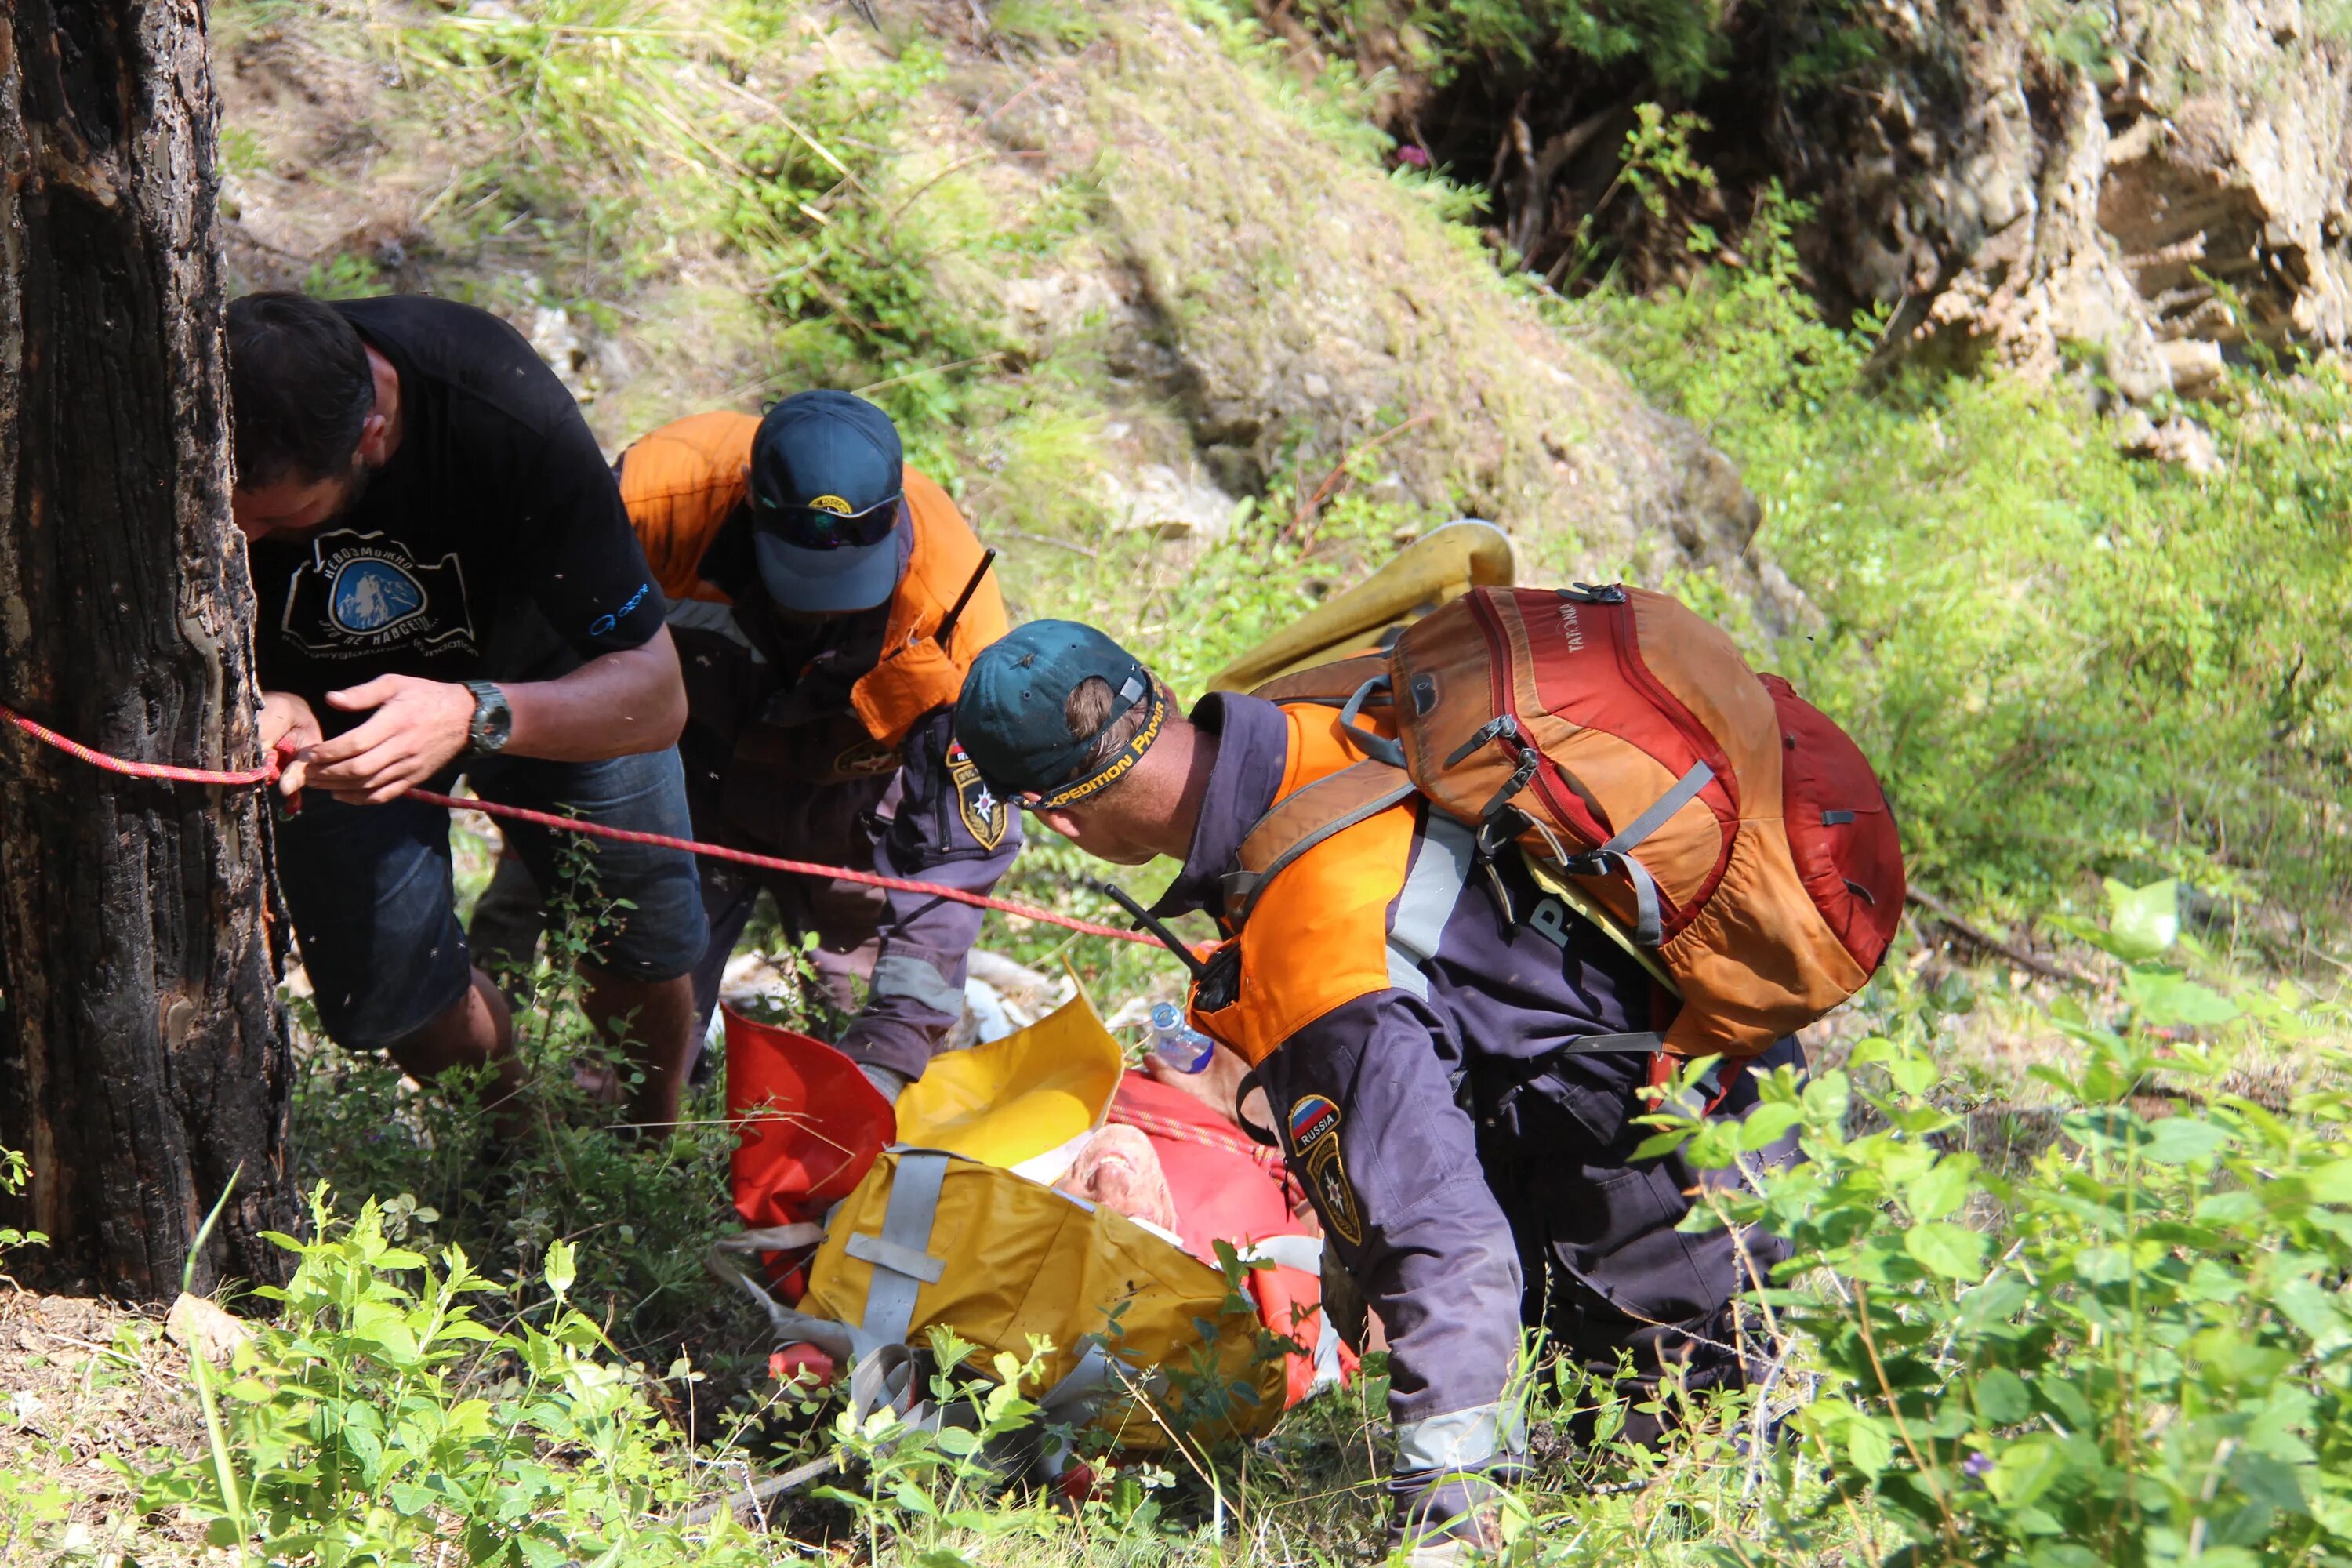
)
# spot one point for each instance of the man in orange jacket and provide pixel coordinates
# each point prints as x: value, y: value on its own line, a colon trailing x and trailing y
x: 826, y: 601
x: 1440, y: 1043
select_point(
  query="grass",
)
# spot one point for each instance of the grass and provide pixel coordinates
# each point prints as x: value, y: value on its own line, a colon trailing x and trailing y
x: 408, y: 1401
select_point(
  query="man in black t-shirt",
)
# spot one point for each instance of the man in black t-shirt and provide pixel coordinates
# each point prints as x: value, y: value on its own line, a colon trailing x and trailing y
x: 446, y: 581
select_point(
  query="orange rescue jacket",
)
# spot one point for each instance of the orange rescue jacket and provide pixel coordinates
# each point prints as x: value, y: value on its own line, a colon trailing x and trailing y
x: 1332, y: 903
x: 681, y: 483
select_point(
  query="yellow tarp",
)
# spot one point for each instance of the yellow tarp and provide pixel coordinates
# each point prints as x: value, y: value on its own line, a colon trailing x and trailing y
x: 1019, y: 1259
x: 1015, y: 1101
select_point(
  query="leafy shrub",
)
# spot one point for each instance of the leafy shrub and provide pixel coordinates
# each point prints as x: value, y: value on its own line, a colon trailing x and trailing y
x: 1677, y: 47
x: 13, y: 1171
x: 638, y: 1210
x: 625, y: 129
x: 379, y: 1420
x: 2137, y: 1349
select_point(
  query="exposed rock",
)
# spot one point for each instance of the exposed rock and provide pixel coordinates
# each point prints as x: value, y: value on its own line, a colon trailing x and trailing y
x: 203, y: 1328
x: 2177, y: 441
x: 2185, y: 199
x: 1172, y: 505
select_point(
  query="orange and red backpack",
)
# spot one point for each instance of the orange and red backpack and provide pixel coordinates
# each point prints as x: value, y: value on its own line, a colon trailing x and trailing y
x: 1732, y: 832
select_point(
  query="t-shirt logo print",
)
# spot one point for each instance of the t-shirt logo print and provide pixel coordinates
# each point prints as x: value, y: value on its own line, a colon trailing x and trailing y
x: 364, y: 593
x: 369, y: 595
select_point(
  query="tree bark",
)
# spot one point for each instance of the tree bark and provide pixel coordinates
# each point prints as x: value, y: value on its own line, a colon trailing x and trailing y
x: 143, y: 1056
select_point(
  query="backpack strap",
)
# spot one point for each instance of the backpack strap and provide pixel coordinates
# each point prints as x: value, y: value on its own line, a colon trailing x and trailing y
x: 1647, y: 929
x: 1327, y: 684
x: 1306, y: 817
x: 1550, y: 877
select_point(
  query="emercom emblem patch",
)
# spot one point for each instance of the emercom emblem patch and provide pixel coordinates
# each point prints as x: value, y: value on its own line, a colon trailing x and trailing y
x: 1315, y: 1153
x: 985, y: 817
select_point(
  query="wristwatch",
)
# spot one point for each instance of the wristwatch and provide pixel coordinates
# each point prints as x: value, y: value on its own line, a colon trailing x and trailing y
x: 493, y: 720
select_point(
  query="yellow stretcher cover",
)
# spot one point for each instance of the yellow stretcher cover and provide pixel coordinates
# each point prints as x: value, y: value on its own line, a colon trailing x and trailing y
x: 1012, y: 1258
x: 1439, y: 566
x: 1022, y: 1102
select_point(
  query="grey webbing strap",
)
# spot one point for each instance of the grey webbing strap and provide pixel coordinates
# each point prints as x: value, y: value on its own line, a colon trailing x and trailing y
x: 903, y: 1263
x: 1381, y: 748
x: 1242, y: 888
x: 1327, y: 1352
x: 1071, y: 1402
x: 1661, y: 810
x: 886, y: 1254
x: 882, y: 1376
x: 1083, y: 1383
x: 1648, y: 929
x: 1304, y: 1253
x: 839, y: 1341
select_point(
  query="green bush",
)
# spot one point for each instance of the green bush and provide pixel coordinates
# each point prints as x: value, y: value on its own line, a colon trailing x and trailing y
x: 629, y: 145
x: 1676, y: 46
x: 378, y: 1420
x: 2134, y: 1349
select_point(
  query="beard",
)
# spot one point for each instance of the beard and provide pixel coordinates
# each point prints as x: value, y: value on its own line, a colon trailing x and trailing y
x: 355, y: 488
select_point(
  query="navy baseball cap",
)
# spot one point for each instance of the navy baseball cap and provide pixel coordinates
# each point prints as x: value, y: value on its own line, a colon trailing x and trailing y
x: 1010, y: 717
x: 828, y: 503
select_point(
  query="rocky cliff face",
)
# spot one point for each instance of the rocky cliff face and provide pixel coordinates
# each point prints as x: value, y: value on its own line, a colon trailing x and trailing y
x: 2161, y: 182
x: 2167, y: 191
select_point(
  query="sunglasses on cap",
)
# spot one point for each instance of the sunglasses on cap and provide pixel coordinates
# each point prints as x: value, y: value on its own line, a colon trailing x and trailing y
x: 821, y: 527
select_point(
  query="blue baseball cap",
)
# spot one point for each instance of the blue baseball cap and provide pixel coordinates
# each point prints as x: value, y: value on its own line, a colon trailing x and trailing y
x: 1011, y: 716
x: 828, y: 503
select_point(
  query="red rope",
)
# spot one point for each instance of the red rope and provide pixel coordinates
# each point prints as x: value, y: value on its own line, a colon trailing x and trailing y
x: 265, y: 774
x: 269, y: 775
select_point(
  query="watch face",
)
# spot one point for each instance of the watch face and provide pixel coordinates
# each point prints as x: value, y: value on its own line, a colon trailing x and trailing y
x: 493, y: 720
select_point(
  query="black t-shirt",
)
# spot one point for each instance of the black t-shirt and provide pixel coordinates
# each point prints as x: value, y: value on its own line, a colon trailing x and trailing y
x: 492, y: 546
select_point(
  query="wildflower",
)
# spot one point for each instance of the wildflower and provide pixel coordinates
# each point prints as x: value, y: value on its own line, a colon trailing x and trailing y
x: 1418, y: 157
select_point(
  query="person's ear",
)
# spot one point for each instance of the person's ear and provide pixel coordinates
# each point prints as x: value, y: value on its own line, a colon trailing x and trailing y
x: 1065, y: 823
x: 370, y: 451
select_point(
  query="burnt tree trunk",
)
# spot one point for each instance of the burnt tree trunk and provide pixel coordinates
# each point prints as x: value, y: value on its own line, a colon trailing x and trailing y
x: 143, y: 1050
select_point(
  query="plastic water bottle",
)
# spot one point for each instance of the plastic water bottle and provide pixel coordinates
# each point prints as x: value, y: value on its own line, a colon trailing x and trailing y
x: 1177, y: 1043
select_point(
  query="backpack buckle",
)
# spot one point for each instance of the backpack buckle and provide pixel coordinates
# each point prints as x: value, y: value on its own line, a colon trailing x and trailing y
x: 1530, y: 759
x: 1498, y: 829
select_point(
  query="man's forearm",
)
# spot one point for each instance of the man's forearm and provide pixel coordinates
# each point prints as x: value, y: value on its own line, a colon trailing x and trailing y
x: 612, y: 706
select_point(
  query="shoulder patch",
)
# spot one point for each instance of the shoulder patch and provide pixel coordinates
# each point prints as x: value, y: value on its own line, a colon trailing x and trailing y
x: 985, y: 817
x: 865, y: 758
x: 1315, y: 1150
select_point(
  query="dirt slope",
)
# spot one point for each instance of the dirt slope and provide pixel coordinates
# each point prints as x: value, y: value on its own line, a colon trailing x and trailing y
x: 1246, y: 293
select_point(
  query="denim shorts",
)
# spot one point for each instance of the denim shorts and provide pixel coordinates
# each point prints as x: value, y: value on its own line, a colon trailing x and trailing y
x: 375, y: 911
